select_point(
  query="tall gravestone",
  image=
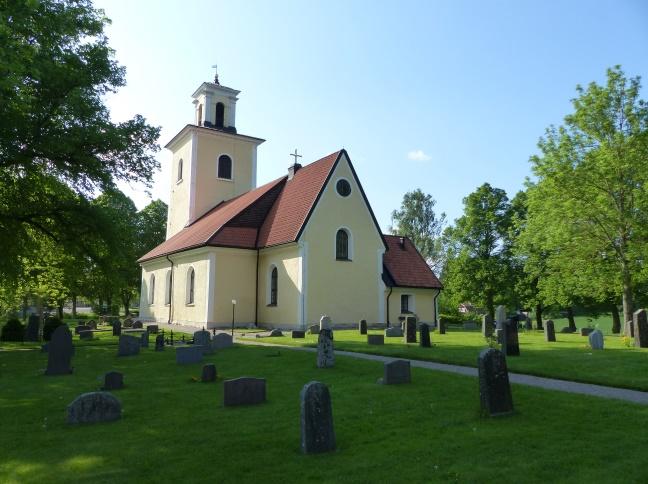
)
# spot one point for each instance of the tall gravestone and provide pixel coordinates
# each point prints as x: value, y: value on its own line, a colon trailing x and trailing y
x: 325, y: 322
x: 629, y: 329
x: 511, y: 345
x: 128, y: 345
x: 116, y: 328
x: 425, y: 336
x: 500, y: 317
x: 317, y: 431
x: 494, y: 388
x: 144, y: 339
x: 596, y: 339
x: 362, y: 326
x: 208, y: 373
x: 410, y: 329
x: 325, y: 352
x: 640, y: 324
x: 549, y: 331
x: 33, y: 328
x: 59, y: 353
x: 487, y: 326
x: 442, y: 326
x: 159, y: 342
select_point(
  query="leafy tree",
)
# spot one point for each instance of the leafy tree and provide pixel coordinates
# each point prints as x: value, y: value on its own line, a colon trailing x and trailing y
x: 417, y: 220
x: 151, y: 226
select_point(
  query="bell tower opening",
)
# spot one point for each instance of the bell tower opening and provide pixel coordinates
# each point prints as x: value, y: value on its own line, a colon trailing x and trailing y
x: 220, y: 115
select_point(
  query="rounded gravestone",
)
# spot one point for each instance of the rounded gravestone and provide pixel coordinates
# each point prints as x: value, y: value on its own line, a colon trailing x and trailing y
x: 113, y: 380
x: 596, y: 339
x: 494, y: 388
x: 362, y: 326
x: 93, y: 407
x: 317, y: 431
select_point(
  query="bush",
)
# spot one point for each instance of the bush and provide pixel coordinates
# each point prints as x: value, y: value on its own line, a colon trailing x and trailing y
x: 50, y: 325
x: 13, y: 330
x: 451, y: 319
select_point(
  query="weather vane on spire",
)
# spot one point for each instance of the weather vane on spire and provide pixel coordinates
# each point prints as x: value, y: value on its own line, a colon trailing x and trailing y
x: 215, y: 67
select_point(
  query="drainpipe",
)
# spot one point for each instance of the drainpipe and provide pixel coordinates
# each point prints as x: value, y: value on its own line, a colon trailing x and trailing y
x: 256, y: 294
x: 390, y: 291
x: 436, y: 311
x: 170, y: 291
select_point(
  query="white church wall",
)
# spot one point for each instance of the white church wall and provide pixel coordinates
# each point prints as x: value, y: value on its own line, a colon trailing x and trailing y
x: 286, y: 260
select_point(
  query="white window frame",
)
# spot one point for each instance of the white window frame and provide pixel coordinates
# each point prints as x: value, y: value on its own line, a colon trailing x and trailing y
x: 179, y: 171
x: 188, y: 288
x: 411, y: 303
x: 151, y: 291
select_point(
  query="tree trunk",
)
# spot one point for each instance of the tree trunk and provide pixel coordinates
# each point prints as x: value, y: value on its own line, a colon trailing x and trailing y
x: 74, y: 305
x: 627, y: 293
x: 60, y: 308
x: 24, y: 308
x: 490, y: 305
x: 126, y: 301
x: 616, y: 319
x: 538, y: 316
x: 570, y: 318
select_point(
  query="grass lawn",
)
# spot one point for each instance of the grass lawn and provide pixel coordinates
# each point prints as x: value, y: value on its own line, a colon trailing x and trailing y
x: 568, y: 358
x: 175, y: 429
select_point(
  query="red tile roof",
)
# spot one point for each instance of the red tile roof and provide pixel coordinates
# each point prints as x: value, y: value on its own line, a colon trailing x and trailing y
x: 406, y: 265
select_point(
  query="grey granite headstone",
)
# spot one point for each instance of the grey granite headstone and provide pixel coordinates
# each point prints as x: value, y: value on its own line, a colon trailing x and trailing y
x: 314, y: 329
x: 295, y: 334
x: 221, y: 340
x: 511, y: 345
x: 362, y: 326
x: 274, y: 333
x: 500, y: 336
x: 189, y: 354
x: 85, y: 335
x: 325, y: 352
x: 500, y: 317
x: 137, y: 324
x: 144, y: 339
x: 128, y: 345
x: 375, y: 339
x: 442, y: 326
x: 159, y: 342
x: 116, y: 328
x: 93, y: 407
x: 470, y: 325
x: 203, y: 338
x: 152, y: 328
x: 393, y: 332
x: 325, y: 322
x: 113, y: 380
x: 81, y: 327
x: 494, y: 388
x: 208, y: 373
x: 60, y: 351
x: 410, y: 329
x: 596, y: 340
x: 396, y: 372
x: 629, y: 329
x: 487, y: 326
x: 244, y: 391
x: 33, y: 328
x: 317, y: 431
x: 640, y: 326
x: 425, y: 336
x: 586, y: 331
x: 549, y: 331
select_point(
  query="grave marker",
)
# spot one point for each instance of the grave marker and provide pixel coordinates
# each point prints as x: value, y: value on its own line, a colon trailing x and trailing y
x: 375, y: 339
x: 487, y: 326
x: 325, y: 352
x: 128, y: 345
x: 113, y: 380
x: 640, y: 326
x: 549, y: 331
x: 362, y: 326
x: 93, y: 407
x: 59, y: 352
x: 596, y: 340
x: 244, y: 391
x: 396, y: 372
x: 317, y: 431
x: 410, y: 329
x: 208, y: 373
x: 425, y: 336
x: 511, y: 345
x: 187, y: 355
x: 494, y: 388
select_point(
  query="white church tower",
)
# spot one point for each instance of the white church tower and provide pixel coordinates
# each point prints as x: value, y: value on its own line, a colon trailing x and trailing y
x: 210, y: 161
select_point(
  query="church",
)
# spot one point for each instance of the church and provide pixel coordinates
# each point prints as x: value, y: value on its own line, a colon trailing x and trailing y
x: 279, y: 255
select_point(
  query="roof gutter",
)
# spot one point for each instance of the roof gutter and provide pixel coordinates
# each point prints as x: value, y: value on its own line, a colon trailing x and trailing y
x: 436, y: 309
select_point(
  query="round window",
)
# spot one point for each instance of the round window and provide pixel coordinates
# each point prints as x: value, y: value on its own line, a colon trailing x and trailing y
x: 343, y: 187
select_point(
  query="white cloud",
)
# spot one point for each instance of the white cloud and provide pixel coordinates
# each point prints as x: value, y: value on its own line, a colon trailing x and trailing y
x: 418, y: 155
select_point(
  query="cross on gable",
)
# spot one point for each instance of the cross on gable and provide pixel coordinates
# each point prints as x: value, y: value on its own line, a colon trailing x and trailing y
x: 295, y: 155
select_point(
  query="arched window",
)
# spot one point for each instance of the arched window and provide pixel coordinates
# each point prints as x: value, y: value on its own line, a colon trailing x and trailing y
x: 191, y: 285
x: 220, y: 115
x: 273, y: 287
x: 179, y: 170
x: 342, y: 245
x: 152, y: 289
x: 225, y: 167
x: 167, y: 292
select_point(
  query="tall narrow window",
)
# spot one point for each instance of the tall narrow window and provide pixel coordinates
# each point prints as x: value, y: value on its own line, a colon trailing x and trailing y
x: 152, y: 289
x: 273, y: 287
x: 405, y: 303
x: 167, y: 292
x: 199, y: 122
x: 220, y: 115
x: 191, y: 282
x: 342, y: 245
x: 225, y: 167
x: 179, y: 170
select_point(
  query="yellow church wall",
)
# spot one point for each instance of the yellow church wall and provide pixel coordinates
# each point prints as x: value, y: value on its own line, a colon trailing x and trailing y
x: 347, y: 291
x: 422, y: 303
x: 287, y: 261
x: 183, y: 312
x: 179, y: 203
x: 235, y: 271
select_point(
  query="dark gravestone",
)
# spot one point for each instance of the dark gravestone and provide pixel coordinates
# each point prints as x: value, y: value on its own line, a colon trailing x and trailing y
x: 393, y: 332
x: 511, y: 345
x: 487, y: 326
x: 244, y: 391
x: 44, y: 347
x: 275, y: 333
x: 208, y: 373
x: 442, y: 326
x: 221, y: 340
x: 92, y: 324
x: 362, y: 326
x: 567, y: 329
x: 314, y: 329
x: 85, y: 335
x: 640, y: 326
x: 297, y: 334
x: 396, y: 372
x: 113, y: 380
x: 138, y: 325
x: 93, y: 408
x: 60, y: 351
x: 410, y: 329
x: 470, y: 325
x: 187, y: 355
x: 325, y: 352
x: 425, y: 336
x: 144, y: 340
x: 81, y: 327
x: 494, y: 387
x: 116, y: 329
x: 317, y: 431
x: 33, y: 328
x: 549, y: 331
x: 528, y: 325
x: 375, y: 339
x: 629, y: 329
x: 203, y: 338
x: 152, y: 328
x: 128, y: 345
x: 586, y: 331
x: 159, y: 342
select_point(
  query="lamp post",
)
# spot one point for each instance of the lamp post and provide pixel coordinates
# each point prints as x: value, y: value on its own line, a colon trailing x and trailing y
x: 233, y: 308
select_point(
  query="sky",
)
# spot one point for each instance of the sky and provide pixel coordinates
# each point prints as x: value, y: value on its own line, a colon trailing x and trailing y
x: 438, y: 95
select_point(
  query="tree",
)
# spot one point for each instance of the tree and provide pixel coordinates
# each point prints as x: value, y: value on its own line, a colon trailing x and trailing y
x: 57, y: 143
x: 151, y: 226
x: 417, y: 220
x: 591, y: 195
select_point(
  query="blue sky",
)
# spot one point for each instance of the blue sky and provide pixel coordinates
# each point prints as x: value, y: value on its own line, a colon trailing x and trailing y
x: 464, y: 88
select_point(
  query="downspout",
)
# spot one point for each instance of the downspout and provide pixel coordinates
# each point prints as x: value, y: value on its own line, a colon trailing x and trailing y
x: 170, y: 291
x: 256, y: 294
x: 436, y: 312
x: 390, y: 291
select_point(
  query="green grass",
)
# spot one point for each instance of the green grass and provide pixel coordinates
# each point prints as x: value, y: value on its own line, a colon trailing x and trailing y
x: 176, y: 430
x: 569, y: 358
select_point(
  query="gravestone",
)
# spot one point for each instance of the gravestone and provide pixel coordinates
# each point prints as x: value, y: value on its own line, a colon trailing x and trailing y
x: 499, y: 336
x: 586, y: 331
x: 549, y: 331
x: 442, y: 326
x: 128, y: 345
x: 425, y: 336
x: 596, y: 340
x: 276, y: 332
x: 221, y: 340
x: 116, y: 328
x: 410, y: 329
x: 152, y: 328
x: 159, y: 342
x: 640, y: 326
x: 144, y: 339
x: 81, y: 327
x: 92, y: 324
x: 511, y: 345
x: 393, y: 332
x: 93, y: 407
x: 325, y: 322
x: 295, y: 334
x: 244, y: 391
x: 33, y: 328
x: 375, y: 339
x: 208, y: 373
x: 629, y: 329
x: 187, y: 355
x: 59, y: 352
x: 362, y: 326
x: 325, y: 352
x: 567, y: 329
x: 314, y: 329
x: 500, y: 317
x: 528, y: 325
x: 494, y: 388
x: 317, y: 431
x: 470, y: 325
x: 396, y: 372
x: 137, y: 324
x: 203, y: 338
x: 44, y: 347
x: 128, y: 323
x: 487, y: 326
x: 85, y: 335
x: 113, y: 380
